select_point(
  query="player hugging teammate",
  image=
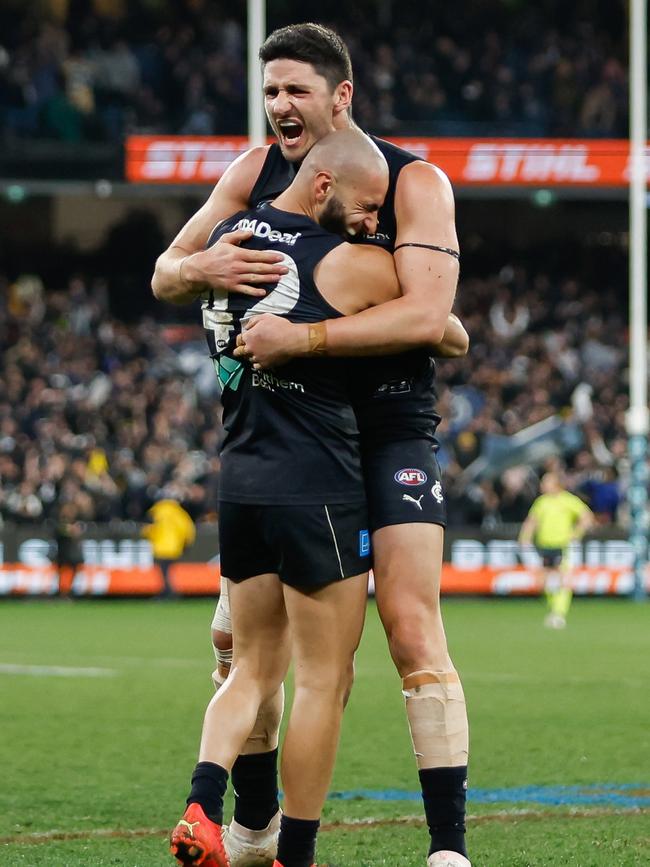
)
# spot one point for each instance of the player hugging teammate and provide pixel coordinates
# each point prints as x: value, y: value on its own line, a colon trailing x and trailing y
x: 308, y: 91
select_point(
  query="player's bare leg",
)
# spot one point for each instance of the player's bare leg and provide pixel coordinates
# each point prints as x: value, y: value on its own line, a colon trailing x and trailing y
x: 265, y: 734
x: 325, y: 632
x: 407, y: 566
x: 260, y: 662
x: 251, y: 838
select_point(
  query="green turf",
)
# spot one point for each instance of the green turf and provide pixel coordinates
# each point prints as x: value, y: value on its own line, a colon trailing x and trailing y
x: 89, y: 756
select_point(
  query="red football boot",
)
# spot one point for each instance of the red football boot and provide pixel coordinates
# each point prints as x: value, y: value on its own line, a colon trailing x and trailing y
x: 196, y: 840
x: 277, y: 864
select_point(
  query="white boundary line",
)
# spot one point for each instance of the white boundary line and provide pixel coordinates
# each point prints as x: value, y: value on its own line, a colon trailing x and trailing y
x: 54, y: 671
x: 515, y: 815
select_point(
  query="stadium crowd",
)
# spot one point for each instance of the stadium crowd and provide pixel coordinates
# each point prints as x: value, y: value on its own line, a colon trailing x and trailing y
x: 97, y: 413
x: 103, y: 418
x: 78, y: 70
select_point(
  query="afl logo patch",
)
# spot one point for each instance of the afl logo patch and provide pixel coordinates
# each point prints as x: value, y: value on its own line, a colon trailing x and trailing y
x: 410, y: 477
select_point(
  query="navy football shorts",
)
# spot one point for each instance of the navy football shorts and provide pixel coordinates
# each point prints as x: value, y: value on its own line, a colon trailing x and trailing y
x: 403, y: 483
x: 551, y: 557
x: 307, y: 546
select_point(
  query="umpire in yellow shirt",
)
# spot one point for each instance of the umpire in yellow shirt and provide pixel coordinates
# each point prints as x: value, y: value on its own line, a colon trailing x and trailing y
x: 171, y: 530
x: 555, y: 519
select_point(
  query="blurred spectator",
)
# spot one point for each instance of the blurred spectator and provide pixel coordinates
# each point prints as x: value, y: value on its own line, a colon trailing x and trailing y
x: 602, y: 494
x: 507, y: 321
x: 515, y: 491
x: 68, y: 554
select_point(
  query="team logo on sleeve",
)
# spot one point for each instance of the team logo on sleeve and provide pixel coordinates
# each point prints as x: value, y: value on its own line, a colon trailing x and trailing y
x: 411, y: 477
x: 436, y: 492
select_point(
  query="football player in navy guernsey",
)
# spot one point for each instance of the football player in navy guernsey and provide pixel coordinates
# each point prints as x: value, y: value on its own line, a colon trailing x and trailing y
x: 293, y: 524
x: 308, y: 93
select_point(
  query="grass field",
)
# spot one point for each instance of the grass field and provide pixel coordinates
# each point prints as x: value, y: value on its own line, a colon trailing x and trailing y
x: 101, y: 705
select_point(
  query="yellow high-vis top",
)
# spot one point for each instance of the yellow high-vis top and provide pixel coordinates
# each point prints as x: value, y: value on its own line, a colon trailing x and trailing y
x: 172, y: 530
x: 556, y: 516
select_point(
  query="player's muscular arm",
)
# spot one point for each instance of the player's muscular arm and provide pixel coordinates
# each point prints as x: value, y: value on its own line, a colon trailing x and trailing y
x: 455, y: 340
x: 186, y: 269
x: 424, y: 207
x: 351, y: 278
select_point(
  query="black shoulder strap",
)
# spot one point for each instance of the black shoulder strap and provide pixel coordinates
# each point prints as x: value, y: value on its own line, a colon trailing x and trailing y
x: 275, y: 177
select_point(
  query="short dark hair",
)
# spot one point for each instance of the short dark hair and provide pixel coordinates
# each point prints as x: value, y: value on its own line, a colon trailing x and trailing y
x: 310, y: 43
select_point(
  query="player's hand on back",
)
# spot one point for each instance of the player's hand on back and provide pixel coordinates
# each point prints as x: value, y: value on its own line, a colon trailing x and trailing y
x: 228, y: 267
x: 270, y: 341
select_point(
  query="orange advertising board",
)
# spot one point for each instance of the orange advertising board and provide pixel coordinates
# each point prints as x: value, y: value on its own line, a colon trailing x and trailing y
x: 467, y: 161
x: 203, y: 579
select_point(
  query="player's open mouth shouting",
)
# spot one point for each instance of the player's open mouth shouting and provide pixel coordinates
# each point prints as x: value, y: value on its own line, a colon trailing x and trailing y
x: 290, y: 131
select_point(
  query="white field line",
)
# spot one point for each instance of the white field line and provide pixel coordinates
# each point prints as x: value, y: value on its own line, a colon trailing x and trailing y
x: 54, y: 671
x: 206, y: 663
x: 116, y: 662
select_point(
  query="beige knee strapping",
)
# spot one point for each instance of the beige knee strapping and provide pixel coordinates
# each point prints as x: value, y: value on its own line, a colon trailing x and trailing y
x: 221, y: 622
x: 435, y: 706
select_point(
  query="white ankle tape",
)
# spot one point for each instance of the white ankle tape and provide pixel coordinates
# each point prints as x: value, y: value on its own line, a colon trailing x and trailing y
x: 435, y: 705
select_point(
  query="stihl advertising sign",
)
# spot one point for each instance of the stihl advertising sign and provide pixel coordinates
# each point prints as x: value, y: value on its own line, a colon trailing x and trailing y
x: 467, y: 161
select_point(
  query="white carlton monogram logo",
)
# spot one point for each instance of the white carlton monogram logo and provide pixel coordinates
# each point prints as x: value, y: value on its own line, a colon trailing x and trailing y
x: 407, y: 498
x: 436, y: 492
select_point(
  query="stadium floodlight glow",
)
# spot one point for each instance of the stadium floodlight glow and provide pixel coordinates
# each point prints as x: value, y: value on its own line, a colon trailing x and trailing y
x: 543, y: 198
x: 256, y: 34
x: 637, y: 418
x: 15, y: 193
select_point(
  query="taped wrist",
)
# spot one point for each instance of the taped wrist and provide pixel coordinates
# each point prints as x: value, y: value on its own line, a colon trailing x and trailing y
x: 435, y: 706
x: 317, y: 338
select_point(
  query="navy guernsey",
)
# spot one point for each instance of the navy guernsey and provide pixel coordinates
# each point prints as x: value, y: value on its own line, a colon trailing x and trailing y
x: 291, y: 433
